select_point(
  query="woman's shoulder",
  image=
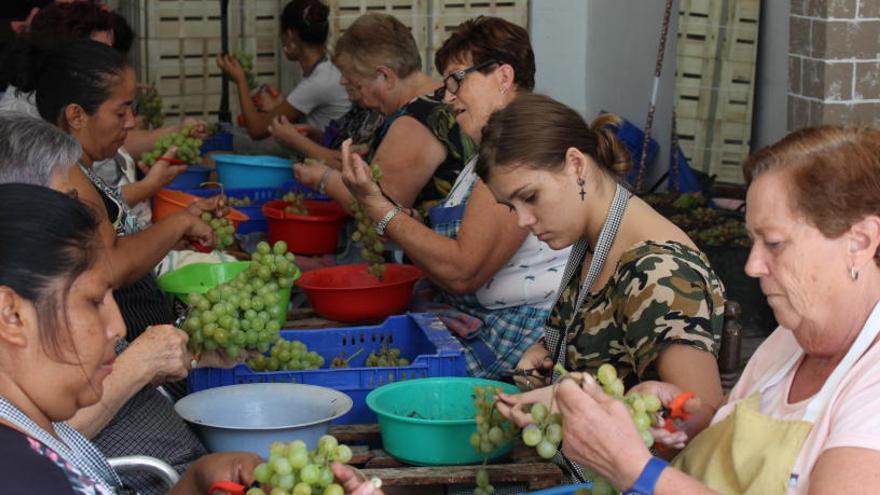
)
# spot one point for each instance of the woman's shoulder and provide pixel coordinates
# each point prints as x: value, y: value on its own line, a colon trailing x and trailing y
x: 669, y: 263
x: 30, y: 467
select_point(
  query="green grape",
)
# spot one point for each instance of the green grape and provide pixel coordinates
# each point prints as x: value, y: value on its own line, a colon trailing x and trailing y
x: 482, y: 478
x: 255, y: 491
x: 188, y: 148
x: 546, y: 449
x: 539, y: 412
x: 302, y: 488
x: 531, y: 435
x: 553, y: 433
x: 342, y: 454
x: 309, y: 474
x: 278, y: 491
x: 262, y: 473
x: 606, y: 374
x: 652, y: 403
x: 334, y: 489
x: 296, y: 203
x: 246, y: 60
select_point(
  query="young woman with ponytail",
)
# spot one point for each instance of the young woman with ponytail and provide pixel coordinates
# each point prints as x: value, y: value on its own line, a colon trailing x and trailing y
x: 637, y: 293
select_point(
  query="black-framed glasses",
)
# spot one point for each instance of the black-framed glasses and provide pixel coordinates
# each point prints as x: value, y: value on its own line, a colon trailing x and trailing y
x: 452, y: 82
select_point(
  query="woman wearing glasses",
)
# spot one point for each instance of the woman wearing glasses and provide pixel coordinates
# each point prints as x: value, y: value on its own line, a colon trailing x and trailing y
x: 419, y: 147
x: 494, y: 283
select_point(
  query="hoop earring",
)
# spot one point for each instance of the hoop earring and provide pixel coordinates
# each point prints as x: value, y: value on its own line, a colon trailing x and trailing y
x: 853, y: 274
x: 581, y: 182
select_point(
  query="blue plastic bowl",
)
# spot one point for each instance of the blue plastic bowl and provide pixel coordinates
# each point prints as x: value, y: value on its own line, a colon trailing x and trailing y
x: 191, y: 177
x: 251, y: 416
x: 237, y: 171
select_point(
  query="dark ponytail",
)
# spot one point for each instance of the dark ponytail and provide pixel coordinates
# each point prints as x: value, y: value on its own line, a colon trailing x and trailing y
x: 62, y: 73
x: 309, y: 19
x: 537, y: 131
x: 47, y: 240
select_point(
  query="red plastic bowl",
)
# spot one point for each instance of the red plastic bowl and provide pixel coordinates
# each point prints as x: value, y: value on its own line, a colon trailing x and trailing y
x: 315, y: 233
x: 348, y: 293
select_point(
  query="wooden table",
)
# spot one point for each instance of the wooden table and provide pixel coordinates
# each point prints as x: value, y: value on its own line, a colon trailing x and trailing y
x: 522, y: 465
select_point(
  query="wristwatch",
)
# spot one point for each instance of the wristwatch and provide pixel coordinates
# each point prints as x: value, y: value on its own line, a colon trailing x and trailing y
x: 383, y: 224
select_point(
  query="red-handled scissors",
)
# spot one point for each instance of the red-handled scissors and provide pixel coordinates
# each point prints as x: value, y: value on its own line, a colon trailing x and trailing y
x: 230, y: 487
x: 677, y: 413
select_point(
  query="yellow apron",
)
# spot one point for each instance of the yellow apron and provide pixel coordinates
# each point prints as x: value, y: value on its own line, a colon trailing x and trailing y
x: 751, y: 452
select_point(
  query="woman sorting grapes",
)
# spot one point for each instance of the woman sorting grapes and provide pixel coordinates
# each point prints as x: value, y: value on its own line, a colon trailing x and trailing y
x: 803, y: 416
x: 494, y: 282
x: 419, y: 148
x: 86, y: 88
x: 319, y: 97
x: 637, y: 294
x: 59, y: 325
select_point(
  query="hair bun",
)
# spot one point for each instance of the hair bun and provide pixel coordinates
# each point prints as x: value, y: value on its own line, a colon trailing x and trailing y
x: 316, y: 12
x: 613, y: 154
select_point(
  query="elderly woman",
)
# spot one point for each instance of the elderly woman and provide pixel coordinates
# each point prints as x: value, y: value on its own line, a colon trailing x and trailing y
x: 58, y: 328
x: 419, y: 147
x: 803, y: 417
x: 495, y: 282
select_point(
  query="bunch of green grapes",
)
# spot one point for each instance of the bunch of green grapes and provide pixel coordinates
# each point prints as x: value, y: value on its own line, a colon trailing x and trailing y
x: 245, y: 201
x: 188, y: 148
x: 372, y: 246
x: 386, y: 356
x: 643, y: 408
x: 493, y: 431
x: 294, y: 470
x: 244, y: 312
x: 286, y: 355
x: 223, y: 229
x: 246, y: 60
x: 545, y: 434
x: 296, y: 203
x: 150, y: 106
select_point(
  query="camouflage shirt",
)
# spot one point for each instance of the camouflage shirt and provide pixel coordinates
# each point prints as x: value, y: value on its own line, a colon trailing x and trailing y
x: 660, y: 294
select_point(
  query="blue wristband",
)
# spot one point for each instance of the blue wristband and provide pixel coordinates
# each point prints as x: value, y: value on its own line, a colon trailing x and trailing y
x: 648, y: 479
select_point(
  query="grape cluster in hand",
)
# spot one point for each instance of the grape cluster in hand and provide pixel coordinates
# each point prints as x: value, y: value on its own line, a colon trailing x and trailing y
x: 246, y: 60
x: 294, y: 470
x: 372, y: 246
x: 242, y: 313
x: 492, y: 432
x: 188, y: 148
x: 222, y: 227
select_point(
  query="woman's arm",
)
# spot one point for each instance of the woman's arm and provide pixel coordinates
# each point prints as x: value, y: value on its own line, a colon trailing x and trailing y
x: 408, y: 155
x: 157, y: 355
x: 846, y: 470
x: 288, y: 134
x: 257, y: 122
x: 155, y: 178
x: 695, y: 371
x: 134, y: 256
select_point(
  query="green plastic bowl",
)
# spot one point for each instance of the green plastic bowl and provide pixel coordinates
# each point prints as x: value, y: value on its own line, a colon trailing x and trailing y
x: 429, y: 421
x: 202, y: 277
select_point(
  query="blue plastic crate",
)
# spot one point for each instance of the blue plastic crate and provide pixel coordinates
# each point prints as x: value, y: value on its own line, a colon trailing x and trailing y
x: 191, y: 177
x: 220, y: 141
x: 421, y: 337
x: 259, y: 196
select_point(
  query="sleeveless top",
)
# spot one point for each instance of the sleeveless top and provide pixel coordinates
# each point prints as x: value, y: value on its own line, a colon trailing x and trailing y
x: 439, y: 118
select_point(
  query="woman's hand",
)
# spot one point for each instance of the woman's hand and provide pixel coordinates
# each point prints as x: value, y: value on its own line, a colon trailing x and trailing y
x: 286, y: 132
x: 198, y: 127
x: 237, y: 467
x: 511, y: 405
x: 219, y: 359
x: 215, y: 205
x: 229, y: 64
x: 268, y: 97
x: 597, y: 432
x: 667, y: 393
x: 162, y: 172
x: 309, y: 174
x: 161, y: 353
x: 358, y: 178
x: 536, y: 358
x: 351, y: 483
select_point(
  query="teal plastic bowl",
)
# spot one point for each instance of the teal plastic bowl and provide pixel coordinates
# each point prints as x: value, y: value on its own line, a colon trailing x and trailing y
x: 202, y: 277
x: 429, y: 421
x: 236, y: 171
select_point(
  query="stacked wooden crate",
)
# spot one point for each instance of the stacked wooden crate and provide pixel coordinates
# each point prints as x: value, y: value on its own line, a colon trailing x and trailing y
x: 178, y: 41
x: 715, y: 82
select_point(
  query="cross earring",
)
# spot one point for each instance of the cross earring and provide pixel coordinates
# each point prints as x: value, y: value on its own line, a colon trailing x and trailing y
x: 583, y: 193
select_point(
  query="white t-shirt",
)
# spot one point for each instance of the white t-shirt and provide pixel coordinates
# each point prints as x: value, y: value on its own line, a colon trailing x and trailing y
x: 119, y: 173
x: 532, y: 275
x: 320, y: 96
x: 850, y: 420
x: 15, y: 101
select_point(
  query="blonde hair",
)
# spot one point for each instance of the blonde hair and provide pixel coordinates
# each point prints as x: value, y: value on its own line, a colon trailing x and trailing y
x: 378, y: 39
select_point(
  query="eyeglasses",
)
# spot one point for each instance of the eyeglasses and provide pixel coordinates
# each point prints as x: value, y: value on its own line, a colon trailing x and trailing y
x: 452, y: 82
